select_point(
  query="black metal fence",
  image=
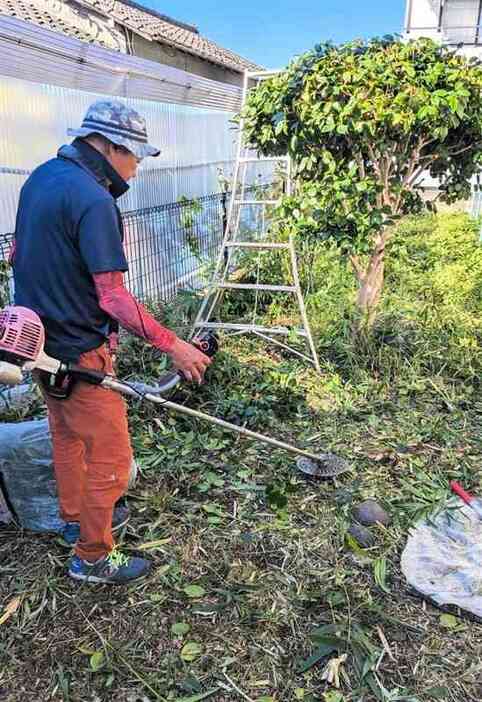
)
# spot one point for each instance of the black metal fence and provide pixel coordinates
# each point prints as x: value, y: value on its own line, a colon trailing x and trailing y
x: 168, y: 247
x: 6, y: 241
x: 6, y: 283
x: 173, y: 246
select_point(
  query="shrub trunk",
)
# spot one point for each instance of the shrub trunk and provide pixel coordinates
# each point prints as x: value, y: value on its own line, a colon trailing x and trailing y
x: 370, y: 281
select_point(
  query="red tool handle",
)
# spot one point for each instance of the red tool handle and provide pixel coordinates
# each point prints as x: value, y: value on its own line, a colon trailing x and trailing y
x: 459, y: 490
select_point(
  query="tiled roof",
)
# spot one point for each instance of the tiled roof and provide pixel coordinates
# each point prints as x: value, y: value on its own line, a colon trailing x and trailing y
x: 161, y: 28
x: 69, y: 17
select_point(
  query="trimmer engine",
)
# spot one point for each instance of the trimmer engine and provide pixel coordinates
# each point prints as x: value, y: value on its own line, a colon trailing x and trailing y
x: 22, y: 340
x: 22, y: 335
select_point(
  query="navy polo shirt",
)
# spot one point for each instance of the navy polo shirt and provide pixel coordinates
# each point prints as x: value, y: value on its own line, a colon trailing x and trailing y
x: 68, y: 227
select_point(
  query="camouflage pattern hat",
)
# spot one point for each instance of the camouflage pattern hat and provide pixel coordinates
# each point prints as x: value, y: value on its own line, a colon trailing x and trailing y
x: 119, y: 124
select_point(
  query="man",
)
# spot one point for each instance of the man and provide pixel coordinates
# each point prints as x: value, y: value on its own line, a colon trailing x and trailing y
x: 68, y: 267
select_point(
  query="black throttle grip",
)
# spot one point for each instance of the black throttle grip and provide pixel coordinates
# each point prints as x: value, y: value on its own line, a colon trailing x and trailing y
x: 207, y: 342
x: 88, y: 375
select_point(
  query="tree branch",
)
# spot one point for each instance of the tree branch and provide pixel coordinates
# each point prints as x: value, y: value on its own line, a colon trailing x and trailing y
x: 374, y: 159
x: 417, y: 164
x: 405, y: 181
x: 461, y: 151
x: 423, y: 144
x: 361, y: 164
x: 357, y: 267
x: 415, y: 175
x: 386, y: 179
x: 377, y: 254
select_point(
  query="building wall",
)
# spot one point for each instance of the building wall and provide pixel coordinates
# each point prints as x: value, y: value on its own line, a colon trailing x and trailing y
x: 114, y: 36
x: 171, y: 56
x: 420, y: 14
x: 102, y: 29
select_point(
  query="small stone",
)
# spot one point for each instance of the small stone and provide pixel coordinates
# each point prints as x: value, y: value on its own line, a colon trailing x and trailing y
x: 362, y: 535
x: 370, y: 512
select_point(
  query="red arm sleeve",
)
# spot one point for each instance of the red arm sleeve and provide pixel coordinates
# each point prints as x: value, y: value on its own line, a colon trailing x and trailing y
x: 119, y: 304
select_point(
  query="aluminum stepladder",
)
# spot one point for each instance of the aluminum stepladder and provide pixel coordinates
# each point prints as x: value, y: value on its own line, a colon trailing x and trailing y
x: 231, y: 242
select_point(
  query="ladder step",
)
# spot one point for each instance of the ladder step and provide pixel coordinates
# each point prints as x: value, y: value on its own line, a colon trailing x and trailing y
x: 256, y: 245
x: 251, y: 328
x: 213, y: 294
x: 255, y: 286
x: 257, y: 202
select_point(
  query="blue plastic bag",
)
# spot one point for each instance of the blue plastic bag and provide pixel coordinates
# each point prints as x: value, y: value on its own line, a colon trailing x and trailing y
x: 28, y: 476
x: 27, y: 470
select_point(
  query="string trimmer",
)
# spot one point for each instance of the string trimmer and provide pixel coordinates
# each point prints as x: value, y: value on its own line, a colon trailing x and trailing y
x: 22, y: 340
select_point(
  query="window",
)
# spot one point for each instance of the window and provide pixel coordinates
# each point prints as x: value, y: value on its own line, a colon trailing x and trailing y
x: 460, y: 20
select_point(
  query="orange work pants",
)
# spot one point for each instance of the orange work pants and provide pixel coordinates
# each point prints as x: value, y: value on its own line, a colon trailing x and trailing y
x: 92, y: 456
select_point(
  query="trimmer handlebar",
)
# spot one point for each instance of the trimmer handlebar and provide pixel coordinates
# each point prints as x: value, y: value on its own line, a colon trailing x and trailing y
x: 88, y: 375
x: 206, y: 342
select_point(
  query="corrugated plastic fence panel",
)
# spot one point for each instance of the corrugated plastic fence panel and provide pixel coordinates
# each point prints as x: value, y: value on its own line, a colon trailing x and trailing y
x: 195, y: 144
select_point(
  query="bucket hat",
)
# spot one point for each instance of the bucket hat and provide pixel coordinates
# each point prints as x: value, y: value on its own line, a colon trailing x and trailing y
x: 119, y: 124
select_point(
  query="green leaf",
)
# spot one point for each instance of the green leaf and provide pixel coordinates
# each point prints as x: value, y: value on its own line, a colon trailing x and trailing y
x: 191, y: 685
x: 180, y: 628
x: 214, y: 509
x: 335, y: 598
x: 353, y: 545
x: 190, y: 651
x: 276, y: 497
x: 333, y: 696
x: 109, y: 680
x: 329, y: 125
x: 448, y: 621
x: 157, y: 597
x: 97, y: 661
x: 380, y: 573
x: 194, y: 591
x: 321, y: 651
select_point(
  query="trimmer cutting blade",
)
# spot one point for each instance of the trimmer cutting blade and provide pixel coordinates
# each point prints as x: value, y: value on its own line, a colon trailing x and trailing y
x: 327, y: 465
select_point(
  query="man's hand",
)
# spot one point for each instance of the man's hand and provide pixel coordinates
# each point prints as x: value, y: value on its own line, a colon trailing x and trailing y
x: 189, y: 360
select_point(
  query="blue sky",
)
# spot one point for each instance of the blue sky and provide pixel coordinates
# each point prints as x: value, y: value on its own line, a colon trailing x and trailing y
x: 271, y: 32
